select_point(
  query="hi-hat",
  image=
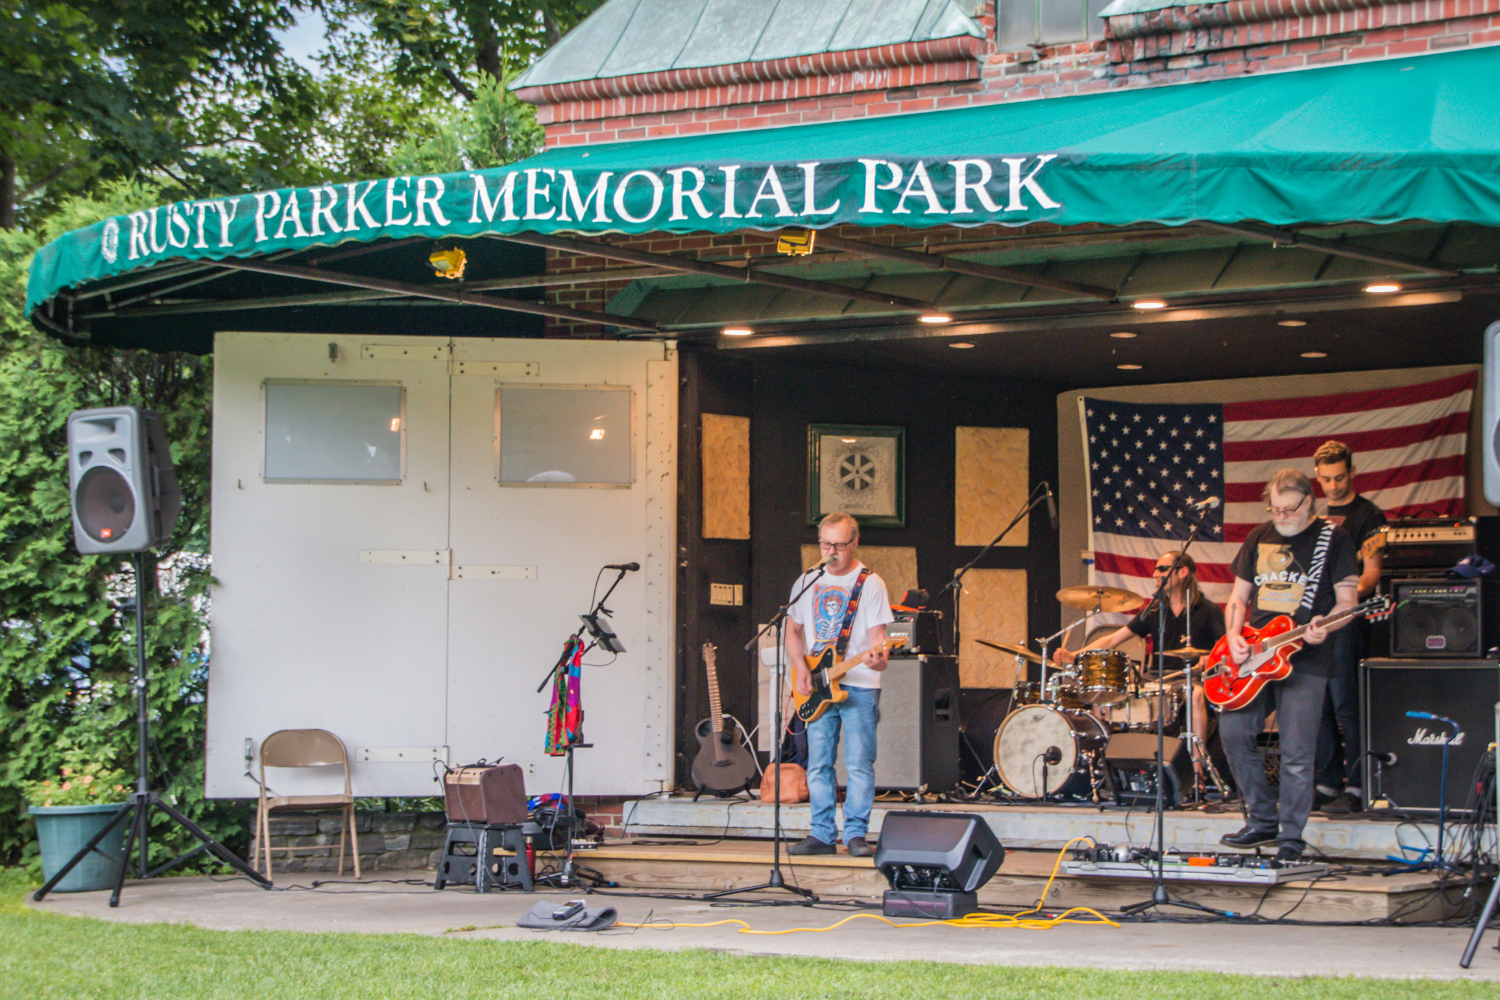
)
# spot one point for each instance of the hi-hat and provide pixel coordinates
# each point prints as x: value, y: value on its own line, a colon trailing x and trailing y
x: 1187, y: 652
x: 1104, y: 598
x: 1020, y: 651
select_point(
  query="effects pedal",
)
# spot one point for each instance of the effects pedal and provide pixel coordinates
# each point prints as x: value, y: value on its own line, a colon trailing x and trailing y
x: 1124, y: 861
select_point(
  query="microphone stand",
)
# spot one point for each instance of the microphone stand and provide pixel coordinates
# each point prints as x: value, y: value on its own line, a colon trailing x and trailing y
x: 1159, y: 894
x: 1437, y: 861
x: 608, y: 639
x: 776, y: 880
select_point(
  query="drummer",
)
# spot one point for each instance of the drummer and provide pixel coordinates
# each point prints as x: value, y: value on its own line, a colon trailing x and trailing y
x: 1207, y: 627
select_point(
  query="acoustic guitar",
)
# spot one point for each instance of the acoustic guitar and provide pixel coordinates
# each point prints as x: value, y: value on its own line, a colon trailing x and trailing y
x: 825, y: 681
x: 723, y: 765
x: 1230, y: 685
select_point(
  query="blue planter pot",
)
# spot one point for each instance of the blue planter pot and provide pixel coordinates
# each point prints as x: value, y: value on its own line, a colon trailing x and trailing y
x: 63, y: 830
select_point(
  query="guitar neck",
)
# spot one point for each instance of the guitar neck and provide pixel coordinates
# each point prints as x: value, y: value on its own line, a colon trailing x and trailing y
x: 1268, y: 644
x: 715, y: 711
x: 838, y: 670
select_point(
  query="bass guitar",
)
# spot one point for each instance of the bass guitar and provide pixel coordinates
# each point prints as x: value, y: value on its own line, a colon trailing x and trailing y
x: 1229, y: 685
x: 723, y: 765
x: 825, y: 681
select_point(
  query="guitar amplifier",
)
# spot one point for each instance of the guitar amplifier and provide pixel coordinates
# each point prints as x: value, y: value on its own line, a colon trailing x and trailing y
x: 917, y: 736
x: 1438, y: 617
x: 1428, y: 544
x: 922, y: 632
x: 1462, y: 690
x: 492, y: 794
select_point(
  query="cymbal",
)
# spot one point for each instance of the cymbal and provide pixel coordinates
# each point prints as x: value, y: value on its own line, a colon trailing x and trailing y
x: 1020, y: 651
x: 1105, y: 598
x: 1187, y: 652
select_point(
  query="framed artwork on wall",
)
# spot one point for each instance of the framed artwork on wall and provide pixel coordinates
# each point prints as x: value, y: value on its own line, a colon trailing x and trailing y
x: 859, y: 469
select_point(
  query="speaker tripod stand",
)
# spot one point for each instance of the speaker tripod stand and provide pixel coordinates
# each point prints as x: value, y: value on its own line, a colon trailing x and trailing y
x: 144, y: 800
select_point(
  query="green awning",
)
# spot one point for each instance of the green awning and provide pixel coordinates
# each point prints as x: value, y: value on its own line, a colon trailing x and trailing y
x: 1378, y: 142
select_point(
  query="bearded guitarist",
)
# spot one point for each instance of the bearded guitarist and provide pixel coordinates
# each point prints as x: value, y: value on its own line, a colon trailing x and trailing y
x: 1303, y: 567
x: 847, y: 609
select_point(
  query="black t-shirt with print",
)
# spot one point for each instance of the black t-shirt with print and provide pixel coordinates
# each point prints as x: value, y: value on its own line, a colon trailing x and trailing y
x: 1279, y: 571
x: 1208, y: 628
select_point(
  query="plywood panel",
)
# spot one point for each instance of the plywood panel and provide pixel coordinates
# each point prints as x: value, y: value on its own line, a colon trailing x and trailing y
x: 726, y: 476
x: 895, y: 564
x: 992, y: 480
x: 994, y: 608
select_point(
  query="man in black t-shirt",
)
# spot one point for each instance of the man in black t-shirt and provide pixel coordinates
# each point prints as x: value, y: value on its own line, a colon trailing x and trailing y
x: 1303, y: 567
x: 1340, y: 776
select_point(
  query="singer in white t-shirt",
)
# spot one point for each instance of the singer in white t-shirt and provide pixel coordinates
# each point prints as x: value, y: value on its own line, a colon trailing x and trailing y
x: 813, y: 624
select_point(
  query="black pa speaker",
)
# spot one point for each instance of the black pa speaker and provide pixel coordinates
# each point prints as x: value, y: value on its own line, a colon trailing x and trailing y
x: 1130, y: 763
x: 1462, y: 690
x: 1436, y: 617
x: 952, y: 852
x: 121, y: 481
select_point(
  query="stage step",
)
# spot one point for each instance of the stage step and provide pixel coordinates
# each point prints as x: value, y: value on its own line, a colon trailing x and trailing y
x: 1362, y: 894
x: 1370, y: 838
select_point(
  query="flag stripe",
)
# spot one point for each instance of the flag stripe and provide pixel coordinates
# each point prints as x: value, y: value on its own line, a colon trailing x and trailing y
x: 1329, y: 406
x: 1363, y: 441
x: 1382, y: 480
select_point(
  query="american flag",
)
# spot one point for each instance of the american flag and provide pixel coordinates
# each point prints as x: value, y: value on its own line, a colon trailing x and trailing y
x: 1147, y: 462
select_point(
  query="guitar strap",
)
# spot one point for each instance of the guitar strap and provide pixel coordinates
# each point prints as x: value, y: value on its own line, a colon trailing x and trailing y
x: 843, y: 639
x: 1315, y: 574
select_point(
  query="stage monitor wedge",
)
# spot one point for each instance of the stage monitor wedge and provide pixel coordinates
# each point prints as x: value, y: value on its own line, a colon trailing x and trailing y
x: 121, y: 482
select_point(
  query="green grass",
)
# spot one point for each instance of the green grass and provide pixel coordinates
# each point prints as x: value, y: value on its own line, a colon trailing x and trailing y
x: 44, y: 955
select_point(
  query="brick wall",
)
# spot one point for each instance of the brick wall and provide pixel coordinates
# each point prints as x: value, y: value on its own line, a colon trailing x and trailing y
x: 1180, y: 44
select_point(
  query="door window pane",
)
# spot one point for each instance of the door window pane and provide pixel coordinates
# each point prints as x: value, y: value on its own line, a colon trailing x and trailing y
x: 334, y: 432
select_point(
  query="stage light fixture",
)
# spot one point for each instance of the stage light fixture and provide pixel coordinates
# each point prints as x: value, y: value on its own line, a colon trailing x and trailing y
x: 449, y: 263
x: 1148, y: 304
x: 1382, y: 288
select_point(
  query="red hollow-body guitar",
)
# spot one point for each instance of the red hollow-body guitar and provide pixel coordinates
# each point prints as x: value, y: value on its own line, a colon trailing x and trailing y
x: 1231, y: 686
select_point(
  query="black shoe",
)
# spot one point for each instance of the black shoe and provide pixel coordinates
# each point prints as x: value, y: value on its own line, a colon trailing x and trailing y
x: 1322, y: 798
x: 811, y: 845
x: 859, y: 848
x: 1347, y: 804
x: 1289, y: 853
x: 1249, y: 837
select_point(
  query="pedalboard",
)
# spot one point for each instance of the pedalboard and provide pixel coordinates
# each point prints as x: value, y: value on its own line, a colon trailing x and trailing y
x: 1124, y: 861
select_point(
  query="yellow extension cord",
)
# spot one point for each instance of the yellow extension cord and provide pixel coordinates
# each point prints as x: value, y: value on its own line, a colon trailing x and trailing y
x: 979, y: 920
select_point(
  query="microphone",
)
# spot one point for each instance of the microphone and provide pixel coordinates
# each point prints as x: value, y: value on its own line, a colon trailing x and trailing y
x: 1207, y: 504
x: 1051, y: 505
x: 1386, y: 759
x: 1052, y: 756
x: 627, y: 567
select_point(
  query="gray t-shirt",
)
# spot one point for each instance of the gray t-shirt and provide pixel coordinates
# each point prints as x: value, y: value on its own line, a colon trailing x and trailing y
x: 820, y: 612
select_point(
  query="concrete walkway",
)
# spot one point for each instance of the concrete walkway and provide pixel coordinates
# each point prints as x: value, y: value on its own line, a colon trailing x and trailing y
x: 388, y: 904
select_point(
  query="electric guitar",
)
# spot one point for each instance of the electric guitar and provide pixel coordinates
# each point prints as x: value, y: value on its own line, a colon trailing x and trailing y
x: 1229, y: 685
x: 723, y: 765
x: 825, y: 681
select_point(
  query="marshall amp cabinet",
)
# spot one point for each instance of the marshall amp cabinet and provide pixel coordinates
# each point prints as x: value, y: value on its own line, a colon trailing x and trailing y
x: 1436, y: 617
x: 1462, y: 690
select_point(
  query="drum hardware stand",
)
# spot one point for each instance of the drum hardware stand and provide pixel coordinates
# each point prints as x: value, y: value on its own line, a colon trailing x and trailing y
x: 1159, y: 894
x: 143, y: 800
x: 778, y: 622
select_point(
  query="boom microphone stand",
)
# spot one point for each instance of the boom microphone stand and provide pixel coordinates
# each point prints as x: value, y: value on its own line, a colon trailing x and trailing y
x: 143, y: 800
x: 778, y: 622
x: 1159, y: 894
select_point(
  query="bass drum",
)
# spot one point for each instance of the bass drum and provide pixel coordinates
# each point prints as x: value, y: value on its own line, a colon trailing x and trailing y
x: 1029, y: 734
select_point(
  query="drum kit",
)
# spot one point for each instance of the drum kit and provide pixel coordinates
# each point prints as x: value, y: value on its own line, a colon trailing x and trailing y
x: 1053, y: 740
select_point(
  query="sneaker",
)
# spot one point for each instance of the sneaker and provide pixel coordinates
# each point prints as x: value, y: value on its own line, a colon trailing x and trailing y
x: 1289, y: 853
x: 1249, y: 837
x: 860, y: 848
x: 811, y: 845
x: 1348, y: 803
x: 1322, y: 795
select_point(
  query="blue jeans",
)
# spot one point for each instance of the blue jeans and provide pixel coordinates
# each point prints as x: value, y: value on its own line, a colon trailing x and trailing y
x: 857, y: 717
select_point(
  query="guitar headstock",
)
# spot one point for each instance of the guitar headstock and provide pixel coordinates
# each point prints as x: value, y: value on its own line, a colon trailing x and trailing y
x: 709, y: 649
x: 1376, y: 608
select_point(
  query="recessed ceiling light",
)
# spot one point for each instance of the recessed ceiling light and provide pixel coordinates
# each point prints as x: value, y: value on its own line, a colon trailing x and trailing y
x: 1124, y: 334
x: 737, y: 331
x: 961, y: 345
x: 935, y: 317
x: 1128, y: 368
x: 1148, y: 304
x: 1315, y: 354
x: 1383, y: 288
x: 1291, y: 322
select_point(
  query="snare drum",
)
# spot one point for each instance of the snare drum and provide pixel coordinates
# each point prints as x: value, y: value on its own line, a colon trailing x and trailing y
x: 1103, y: 673
x: 1028, y: 734
x: 1139, y: 713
